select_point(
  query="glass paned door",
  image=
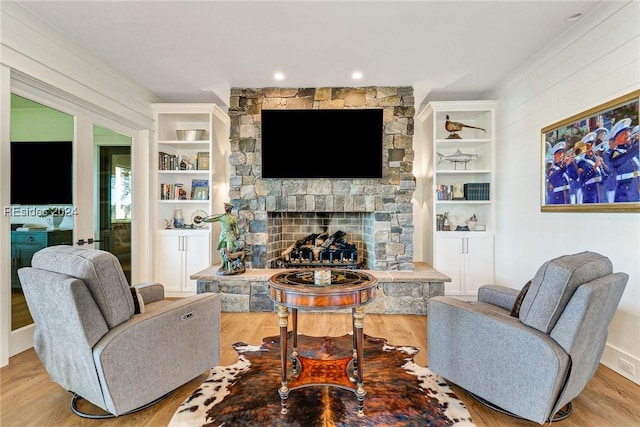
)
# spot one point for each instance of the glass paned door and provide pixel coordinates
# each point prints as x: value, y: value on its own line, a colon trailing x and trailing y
x: 115, y: 203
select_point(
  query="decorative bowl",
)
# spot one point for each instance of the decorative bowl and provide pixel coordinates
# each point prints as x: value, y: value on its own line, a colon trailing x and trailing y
x: 190, y: 134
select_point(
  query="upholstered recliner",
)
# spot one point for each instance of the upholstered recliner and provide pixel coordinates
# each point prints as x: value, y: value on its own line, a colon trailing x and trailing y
x: 121, y: 348
x: 530, y: 363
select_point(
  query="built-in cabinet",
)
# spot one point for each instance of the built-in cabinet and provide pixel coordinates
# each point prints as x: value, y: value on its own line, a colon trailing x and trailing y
x: 184, y: 253
x: 191, y: 152
x: 460, y: 192
x: 468, y: 260
x: 26, y: 243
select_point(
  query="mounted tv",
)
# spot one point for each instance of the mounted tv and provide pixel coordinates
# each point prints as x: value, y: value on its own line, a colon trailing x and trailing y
x: 41, y: 173
x: 322, y: 143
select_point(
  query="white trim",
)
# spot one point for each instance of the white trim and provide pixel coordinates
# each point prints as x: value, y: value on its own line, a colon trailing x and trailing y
x: 5, y: 228
x: 42, y: 64
x: 612, y: 355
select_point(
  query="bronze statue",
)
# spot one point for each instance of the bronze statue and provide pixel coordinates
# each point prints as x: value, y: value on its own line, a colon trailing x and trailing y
x: 231, y: 252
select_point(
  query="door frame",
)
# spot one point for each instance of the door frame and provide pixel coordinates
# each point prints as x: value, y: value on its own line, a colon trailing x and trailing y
x: 85, y: 174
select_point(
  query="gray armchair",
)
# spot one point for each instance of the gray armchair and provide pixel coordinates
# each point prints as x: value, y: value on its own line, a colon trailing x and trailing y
x: 121, y: 348
x: 528, y: 353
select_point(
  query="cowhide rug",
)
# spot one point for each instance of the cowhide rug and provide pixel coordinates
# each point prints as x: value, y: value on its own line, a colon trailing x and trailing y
x: 398, y: 392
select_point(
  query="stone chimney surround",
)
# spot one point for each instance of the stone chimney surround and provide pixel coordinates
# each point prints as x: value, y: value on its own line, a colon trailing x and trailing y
x: 385, y: 203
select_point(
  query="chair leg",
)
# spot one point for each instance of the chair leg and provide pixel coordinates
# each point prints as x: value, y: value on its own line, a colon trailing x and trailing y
x: 76, y: 397
x: 562, y: 414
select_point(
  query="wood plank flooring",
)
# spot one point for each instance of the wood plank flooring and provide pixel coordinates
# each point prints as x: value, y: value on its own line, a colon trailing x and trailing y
x: 28, y: 398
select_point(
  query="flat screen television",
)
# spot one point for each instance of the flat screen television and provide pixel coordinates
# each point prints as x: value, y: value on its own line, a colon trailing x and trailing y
x: 322, y: 143
x: 41, y: 173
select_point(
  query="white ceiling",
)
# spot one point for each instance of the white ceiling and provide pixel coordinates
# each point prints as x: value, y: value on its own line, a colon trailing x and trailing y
x: 195, y: 51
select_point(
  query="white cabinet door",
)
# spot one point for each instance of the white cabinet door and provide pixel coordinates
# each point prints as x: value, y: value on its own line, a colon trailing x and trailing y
x: 478, y: 260
x: 448, y: 260
x: 197, y: 258
x: 178, y: 255
x: 168, y: 261
x: 467, y: 259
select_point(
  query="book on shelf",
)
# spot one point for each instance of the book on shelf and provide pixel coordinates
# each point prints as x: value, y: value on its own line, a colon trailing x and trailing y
x: 202, y: 160
x: 200, y: 189
x: 167, y: 161
x: 444, y: 192
x: 477, y: 191
x: 166, y: 191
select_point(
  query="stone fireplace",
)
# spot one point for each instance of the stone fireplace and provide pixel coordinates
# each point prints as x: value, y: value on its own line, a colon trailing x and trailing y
x: 377, y: 214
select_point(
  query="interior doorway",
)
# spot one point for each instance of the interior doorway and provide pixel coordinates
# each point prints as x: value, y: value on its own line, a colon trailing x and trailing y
x: 34, y: 125
x: 115, y: 203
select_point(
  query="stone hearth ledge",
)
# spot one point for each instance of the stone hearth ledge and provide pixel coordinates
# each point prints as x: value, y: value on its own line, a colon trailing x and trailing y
x: 399, y: 292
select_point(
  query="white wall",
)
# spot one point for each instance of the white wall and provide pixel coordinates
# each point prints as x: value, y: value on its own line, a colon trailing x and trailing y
x: 598, y: 62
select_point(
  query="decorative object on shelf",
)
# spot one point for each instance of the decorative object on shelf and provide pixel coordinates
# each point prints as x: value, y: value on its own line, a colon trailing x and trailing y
x: 472, y: 222
x: 168, y: 224
x: 454, y: 127
x: 202, y: 160
x: 190, y: 134
x: 178, y: 219
x: 458, y: 218
x: 197, y: 218
x: 458, y: 193
x: 588, y: 159
x: 446, y: 226
x: 457, y: 157
x: 231, y: 251
x: 53, y: 217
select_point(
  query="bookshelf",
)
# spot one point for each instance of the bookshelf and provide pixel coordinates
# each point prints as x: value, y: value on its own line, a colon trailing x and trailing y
x: 461, y: 191
x: 190, y: 159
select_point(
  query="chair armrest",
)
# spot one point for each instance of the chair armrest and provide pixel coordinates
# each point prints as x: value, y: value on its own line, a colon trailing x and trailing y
x: 159, y: 350
x: 478, y: 349
x: 501, y: 296
x: 150, y: 291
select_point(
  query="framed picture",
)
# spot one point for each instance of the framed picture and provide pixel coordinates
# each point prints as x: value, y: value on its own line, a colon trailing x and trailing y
x: 590, y: 161
x: 200, y: 189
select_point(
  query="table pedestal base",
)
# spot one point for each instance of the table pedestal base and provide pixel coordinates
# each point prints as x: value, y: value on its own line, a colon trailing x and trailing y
x: 345, y: 373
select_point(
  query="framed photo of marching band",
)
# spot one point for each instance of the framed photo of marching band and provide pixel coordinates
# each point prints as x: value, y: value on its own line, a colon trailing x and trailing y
x: 591, y: 161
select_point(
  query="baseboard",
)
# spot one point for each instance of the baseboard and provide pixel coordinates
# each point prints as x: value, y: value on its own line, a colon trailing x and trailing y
x: 21, y: 339
x: 613, y: 358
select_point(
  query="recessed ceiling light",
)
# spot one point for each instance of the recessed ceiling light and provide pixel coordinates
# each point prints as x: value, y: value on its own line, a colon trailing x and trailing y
x: 278, y: 76
x: 574, y: 17
x: 357, y: 75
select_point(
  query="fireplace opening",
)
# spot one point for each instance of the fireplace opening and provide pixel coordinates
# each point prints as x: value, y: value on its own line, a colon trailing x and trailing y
x: 319, y: 239
x: 320, y: 250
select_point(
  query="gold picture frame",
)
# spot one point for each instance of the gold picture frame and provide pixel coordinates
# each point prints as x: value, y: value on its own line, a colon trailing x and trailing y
x: 590, y: 161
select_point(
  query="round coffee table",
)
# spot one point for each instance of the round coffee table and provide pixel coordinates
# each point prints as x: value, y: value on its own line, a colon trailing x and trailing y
x: 297, y: 289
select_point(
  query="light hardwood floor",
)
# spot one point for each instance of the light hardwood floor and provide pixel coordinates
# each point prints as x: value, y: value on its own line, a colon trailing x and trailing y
x: 28, y: 398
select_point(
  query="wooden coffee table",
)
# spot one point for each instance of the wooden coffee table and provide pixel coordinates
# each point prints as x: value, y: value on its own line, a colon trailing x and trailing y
x: 297, y: 289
